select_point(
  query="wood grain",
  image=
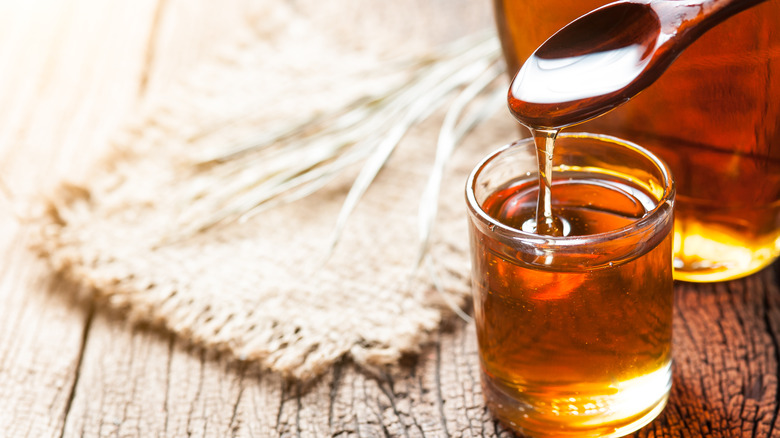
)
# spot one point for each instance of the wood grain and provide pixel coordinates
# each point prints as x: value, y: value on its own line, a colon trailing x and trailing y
x: 59, y: 104
x: 71, y: 72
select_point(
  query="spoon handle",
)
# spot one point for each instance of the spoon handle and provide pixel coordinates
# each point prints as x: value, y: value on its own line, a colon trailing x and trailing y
x: 687, y: 20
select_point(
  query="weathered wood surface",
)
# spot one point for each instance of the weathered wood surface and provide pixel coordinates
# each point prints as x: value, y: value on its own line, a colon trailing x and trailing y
x: 70, y: 72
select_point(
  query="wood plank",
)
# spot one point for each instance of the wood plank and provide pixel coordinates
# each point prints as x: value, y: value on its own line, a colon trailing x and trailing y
x: 41, y: 333
x: 60, y: 68
x: 152, y: 386
x: 71, y: 79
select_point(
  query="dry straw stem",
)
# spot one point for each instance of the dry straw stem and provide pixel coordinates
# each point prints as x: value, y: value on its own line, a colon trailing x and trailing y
x: 300, y: 158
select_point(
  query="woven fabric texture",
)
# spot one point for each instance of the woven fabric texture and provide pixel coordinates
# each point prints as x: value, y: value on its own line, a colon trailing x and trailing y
x: 262, y: 289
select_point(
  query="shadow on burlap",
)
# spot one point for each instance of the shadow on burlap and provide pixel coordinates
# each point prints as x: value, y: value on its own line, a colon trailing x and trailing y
x: 261, y: 289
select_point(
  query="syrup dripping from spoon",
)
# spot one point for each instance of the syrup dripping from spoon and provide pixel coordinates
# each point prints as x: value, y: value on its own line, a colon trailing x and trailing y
x: 598, y: 62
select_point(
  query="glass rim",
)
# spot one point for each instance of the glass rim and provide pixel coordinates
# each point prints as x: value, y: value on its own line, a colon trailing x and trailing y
x: 636, y: 227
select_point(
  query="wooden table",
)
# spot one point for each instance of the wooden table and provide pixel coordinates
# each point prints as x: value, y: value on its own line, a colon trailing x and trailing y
x: 70, y: 72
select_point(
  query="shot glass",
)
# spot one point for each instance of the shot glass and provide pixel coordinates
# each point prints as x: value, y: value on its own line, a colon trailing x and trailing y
x: 574, y: 332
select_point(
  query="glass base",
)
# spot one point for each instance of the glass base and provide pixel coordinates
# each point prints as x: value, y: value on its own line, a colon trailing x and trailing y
x: 630, y: 405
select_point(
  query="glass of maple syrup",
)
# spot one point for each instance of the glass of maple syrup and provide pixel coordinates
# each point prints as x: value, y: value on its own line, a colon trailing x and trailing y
x: 574, y: 329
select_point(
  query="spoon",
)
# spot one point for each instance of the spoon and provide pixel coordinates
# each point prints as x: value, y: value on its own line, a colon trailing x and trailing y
x: 604, y: 58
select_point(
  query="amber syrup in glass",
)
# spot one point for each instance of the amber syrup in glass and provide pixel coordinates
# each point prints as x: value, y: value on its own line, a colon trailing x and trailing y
x: 583, y: 352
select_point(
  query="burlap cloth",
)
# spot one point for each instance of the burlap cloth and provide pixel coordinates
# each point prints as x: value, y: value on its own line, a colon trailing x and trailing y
x: 261, y: 289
